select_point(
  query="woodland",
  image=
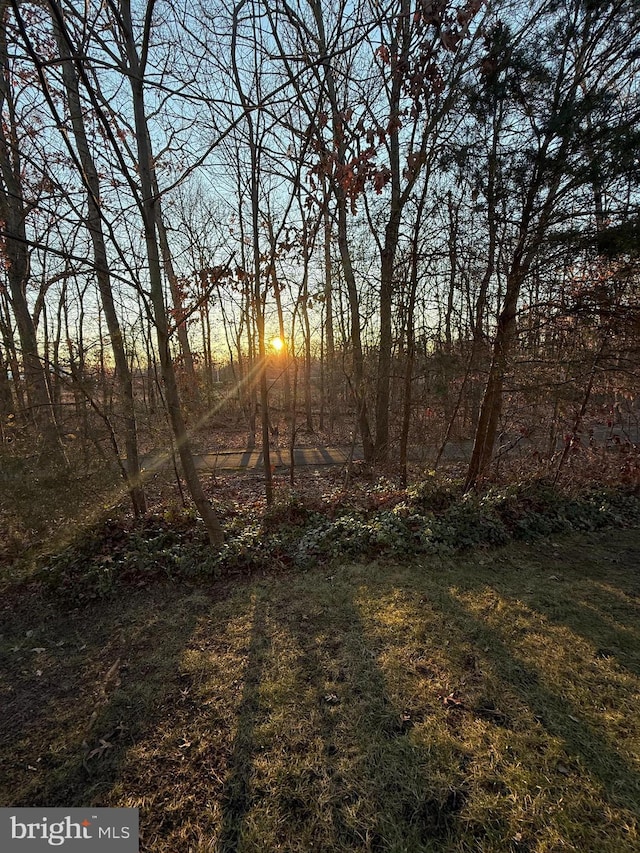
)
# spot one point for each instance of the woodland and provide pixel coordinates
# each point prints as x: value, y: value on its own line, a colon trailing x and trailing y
x: 431, y: 209
x: 401, y: 233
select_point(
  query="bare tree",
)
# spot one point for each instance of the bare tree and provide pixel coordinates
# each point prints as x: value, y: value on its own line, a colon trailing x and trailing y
x: 94, y: 225
x: 134, y: 67
x: 14, y: 211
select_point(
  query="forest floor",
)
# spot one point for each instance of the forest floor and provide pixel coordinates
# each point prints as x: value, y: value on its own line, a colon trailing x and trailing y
x: 484, y: 701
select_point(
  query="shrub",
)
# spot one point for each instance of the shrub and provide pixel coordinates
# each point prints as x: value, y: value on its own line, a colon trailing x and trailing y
x: 434, y: 495
x: 295, y: 533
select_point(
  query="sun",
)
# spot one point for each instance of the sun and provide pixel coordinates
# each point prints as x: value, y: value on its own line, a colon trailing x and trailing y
x: 277, y: 344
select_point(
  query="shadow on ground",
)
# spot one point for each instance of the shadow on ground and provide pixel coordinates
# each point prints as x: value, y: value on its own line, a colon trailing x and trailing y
x: 477, y: 704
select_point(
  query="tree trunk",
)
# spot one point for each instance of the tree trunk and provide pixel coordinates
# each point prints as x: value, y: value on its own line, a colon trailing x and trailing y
x: 386, y: 341
x: 304, y: 310
x: 411, y: 338
x: 330, y: 382
x: 530, y: 238
x: 13, y: 215
x: 94, y: 226
x: 149, y: 217
x: 389, y: 249
x: 258, y: 303
x: 193, y: 392
x: 359, y: 391
x: 6, y: 398
x: 343, y: 245
x: 281, y: 330
x: 492, y: 401
x: 12, y: 356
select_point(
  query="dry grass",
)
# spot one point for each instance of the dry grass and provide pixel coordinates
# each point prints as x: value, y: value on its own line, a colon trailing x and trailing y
x: 482, y: 703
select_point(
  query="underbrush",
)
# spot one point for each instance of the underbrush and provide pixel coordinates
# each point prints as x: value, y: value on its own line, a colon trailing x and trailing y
x: 43, y: 502
x: 433, y: 517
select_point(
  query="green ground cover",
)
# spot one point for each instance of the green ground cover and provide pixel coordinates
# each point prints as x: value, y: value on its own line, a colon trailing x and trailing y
x: 478, y: 702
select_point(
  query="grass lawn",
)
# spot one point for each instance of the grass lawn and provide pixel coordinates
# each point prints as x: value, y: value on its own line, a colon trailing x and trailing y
x: 488, y: 702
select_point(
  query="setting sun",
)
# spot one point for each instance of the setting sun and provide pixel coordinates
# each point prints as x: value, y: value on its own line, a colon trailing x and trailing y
x: 277, y: 344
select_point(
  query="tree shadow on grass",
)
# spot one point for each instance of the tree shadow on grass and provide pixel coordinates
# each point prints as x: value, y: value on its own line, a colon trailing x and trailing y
x: 236, y: 795
x: 55, y: 660
x: 387, y: 795
x: 582, y: 612
x: 617, y: 776
x: 102, y: 692
x: 592, y: 589
x: 453, y: 651
x: 349, y: 776
x: 602, y: 602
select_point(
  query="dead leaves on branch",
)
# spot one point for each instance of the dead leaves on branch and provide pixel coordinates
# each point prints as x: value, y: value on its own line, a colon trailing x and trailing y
x: 415, y: 62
